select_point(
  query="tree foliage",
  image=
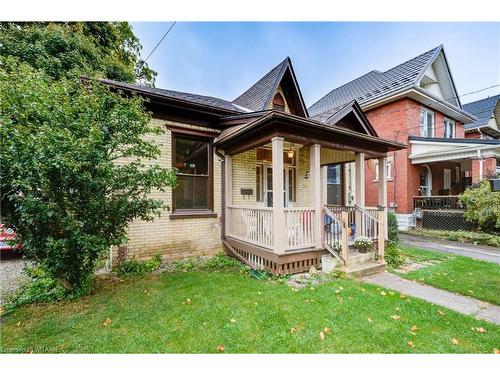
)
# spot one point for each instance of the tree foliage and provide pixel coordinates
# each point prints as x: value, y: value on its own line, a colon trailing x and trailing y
x: 62, y: 184
x: 482, y: 206
x: 70, y: 49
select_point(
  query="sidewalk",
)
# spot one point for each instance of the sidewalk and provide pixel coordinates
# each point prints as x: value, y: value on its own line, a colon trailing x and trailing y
x: 481, y: 252
x: 452, y: 301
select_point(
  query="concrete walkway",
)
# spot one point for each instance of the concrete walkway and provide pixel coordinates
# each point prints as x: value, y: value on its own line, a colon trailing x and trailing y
x: 464, y: 305
x: 487, y: 253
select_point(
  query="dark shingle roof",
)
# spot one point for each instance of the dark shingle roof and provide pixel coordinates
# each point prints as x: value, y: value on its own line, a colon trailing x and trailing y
x: 258, y: 96
x: 482, y: 110
x: 374, y: 85
x: 185, y: 96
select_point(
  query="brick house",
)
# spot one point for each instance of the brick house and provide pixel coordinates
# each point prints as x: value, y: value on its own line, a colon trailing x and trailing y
x: 415, y: 103
x: 231, y: 156
x: 487, y: 113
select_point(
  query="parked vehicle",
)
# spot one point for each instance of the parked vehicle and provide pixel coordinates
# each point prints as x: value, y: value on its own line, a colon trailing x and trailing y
x: 8, y: 241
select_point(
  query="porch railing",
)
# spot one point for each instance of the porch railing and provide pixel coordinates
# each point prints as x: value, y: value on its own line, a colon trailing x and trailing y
x: 299, y: 228
x: 343, y: 224
x: 438, y: 202
x: 253, y: 225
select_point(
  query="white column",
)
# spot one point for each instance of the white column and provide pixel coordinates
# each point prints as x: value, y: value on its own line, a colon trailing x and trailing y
x: 359, y: 194
x: 324, y: 190
x: 228, y: 190
x: 382, y: 192
x: 278, y: 199
x: 315, y: 167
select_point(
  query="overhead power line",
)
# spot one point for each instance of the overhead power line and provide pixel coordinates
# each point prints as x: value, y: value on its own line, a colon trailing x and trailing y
x: 161, y: 40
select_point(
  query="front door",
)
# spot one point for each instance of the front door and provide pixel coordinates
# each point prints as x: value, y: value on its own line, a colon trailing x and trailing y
x: 268, y: 186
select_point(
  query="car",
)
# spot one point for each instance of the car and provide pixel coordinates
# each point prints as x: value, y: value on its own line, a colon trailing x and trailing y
x: 8, y: 241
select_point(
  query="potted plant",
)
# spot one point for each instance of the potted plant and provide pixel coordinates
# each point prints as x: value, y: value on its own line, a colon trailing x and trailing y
x: 363, y: 244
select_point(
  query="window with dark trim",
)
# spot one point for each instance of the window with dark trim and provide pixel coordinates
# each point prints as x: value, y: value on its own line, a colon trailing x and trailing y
x: 279, y: 102
x: 192, y: 157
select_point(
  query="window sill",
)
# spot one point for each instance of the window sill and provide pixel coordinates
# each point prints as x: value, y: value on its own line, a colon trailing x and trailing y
x: 193, y: 215
x: 388, y: 180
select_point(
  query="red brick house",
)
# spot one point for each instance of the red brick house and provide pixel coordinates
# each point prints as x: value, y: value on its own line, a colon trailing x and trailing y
x: 487, y: 113
x: 415, y: 103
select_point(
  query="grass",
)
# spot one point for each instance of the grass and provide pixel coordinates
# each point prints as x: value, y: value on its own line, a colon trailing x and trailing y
x: 477, y: 238
x: 152, y: 314
x: 466, y: 276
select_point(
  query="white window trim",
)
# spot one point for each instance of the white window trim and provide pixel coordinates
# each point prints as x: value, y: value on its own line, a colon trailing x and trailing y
x: 389, y: 171
x: 433, y: 128
x: 449, y: 121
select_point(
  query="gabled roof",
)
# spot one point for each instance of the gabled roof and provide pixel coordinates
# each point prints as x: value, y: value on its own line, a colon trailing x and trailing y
x: 375, y: 85
x: 483, y: 110
x: 345, y: 115
x: 183, y: 96
x: 259, y: 96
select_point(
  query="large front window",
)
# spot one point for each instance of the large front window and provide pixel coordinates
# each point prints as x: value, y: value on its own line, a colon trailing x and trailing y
x: 449, y: 128
x: 426, y: 123
x: 192, y: 159
x: 334, y: 191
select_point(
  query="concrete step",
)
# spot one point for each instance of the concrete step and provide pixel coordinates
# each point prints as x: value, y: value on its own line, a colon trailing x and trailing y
x: 356, y: 257
x: 365, y: 269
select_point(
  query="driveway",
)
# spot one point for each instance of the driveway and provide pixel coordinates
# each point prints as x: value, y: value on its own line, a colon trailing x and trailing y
x: 11, y: 273
x: 481, y: 252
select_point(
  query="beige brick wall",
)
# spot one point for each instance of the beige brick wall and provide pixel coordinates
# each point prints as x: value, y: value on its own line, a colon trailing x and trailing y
x: 181, y: 238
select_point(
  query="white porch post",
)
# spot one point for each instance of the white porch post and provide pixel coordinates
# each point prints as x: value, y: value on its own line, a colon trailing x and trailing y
x: 382, y: 201
x: 315, y: 166
x: 278, y: 199
x: 228, y: 190
x: 359, y: 192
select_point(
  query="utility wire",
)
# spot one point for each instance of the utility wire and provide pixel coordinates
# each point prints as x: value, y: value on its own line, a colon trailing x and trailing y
x: 161, y: 40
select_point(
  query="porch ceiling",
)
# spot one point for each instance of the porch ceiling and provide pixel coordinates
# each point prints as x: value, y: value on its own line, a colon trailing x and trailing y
x: 245, y: 132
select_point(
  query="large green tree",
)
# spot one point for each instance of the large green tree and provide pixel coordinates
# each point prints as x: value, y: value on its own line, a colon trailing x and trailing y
x: 62, y: 185
x: 70, y: 49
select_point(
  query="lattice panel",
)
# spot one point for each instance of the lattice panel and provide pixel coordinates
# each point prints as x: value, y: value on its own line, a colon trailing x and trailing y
x: 445, y: 220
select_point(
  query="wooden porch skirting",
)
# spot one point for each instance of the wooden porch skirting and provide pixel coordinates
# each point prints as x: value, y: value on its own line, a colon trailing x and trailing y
x: 289, y: 262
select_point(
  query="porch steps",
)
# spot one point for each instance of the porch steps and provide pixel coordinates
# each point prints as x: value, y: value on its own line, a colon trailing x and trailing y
x: 360, y: 264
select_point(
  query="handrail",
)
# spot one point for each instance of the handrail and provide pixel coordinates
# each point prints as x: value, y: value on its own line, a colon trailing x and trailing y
x: 366, y: 212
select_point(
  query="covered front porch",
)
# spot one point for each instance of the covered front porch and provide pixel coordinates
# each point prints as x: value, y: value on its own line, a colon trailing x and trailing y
x: 290, y: 231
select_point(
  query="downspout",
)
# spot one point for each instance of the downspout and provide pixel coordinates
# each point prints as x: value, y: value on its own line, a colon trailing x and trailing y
x: 223, y: 192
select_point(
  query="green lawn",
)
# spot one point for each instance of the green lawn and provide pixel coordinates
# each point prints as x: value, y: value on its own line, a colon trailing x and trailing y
x: 153, y: 315
x: 466, y: 276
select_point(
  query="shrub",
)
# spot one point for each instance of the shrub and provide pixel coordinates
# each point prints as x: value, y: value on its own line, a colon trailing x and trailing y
x: 482, y: 206
x: 363, y: 243
x: 42, y: 288
x: 392, y: 227
x: 393, y: 256
x: 138, y: 268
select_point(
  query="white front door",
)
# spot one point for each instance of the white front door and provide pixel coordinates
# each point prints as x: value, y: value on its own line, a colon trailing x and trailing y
x: 268, y: 185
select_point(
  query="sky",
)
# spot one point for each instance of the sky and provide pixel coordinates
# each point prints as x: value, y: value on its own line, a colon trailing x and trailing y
x: 225, y: 59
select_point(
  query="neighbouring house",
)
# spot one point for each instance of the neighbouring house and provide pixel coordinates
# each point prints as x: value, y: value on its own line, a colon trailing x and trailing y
x: 487, y: 112
x: 232, y: 156
x: 417, y: 103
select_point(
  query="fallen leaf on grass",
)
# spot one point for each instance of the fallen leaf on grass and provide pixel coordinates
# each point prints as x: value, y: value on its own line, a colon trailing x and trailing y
x: 411, y: 344
x: 395, y: 317
x: 370, y: 320
x: 312, y: 288
x: 18, y: 323
x: 397, y: 308
x: 363, y: 289
x: 233, y: 320
x: 391, y: 293
x: 293, y: 330
x: 327, y: 330
x: 337, y: 291
x: 341, y: 288
x: 221, y: 348
x: 480, y: 329
x: 414, y: 329
x: 383, y: 293
x: 441, y: 312
x: 321, y: 335
x: 106, y: 322
x: 146, y: 291
x: 402, y: 296
x: 187, y: 302
x: 454, y: 341
x: 496, y: 351
x: 470, y: 291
